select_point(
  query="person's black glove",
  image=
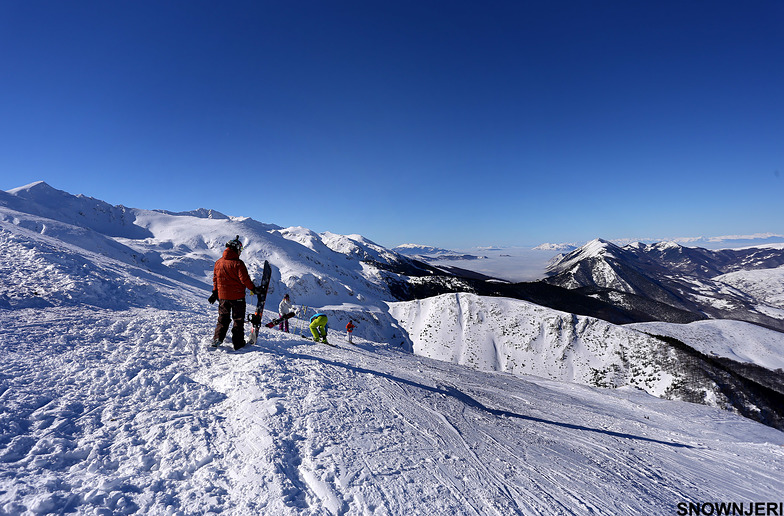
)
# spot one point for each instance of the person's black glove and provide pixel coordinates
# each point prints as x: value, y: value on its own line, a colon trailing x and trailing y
x: 213, y: 297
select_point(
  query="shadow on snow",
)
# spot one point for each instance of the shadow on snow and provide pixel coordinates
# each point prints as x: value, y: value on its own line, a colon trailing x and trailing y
x: 456, y: 394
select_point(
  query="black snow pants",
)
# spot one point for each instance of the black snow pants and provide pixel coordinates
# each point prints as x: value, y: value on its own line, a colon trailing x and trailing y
x: 230, y: 310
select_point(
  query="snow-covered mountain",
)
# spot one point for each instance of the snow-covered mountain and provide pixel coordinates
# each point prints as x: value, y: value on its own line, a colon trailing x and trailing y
x: 498, y: 334
x: 715, y: 242
x: 563, y: 248
x: 431, y: 254
x: 737, y: 340
x: 501, y: 334
x: 112, y: 403
x: 417, y: 249
x: 675, y: 283
x: 317, y: 270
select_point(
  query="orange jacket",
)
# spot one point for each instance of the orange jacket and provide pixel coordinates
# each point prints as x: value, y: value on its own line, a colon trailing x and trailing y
x: 230, y: 276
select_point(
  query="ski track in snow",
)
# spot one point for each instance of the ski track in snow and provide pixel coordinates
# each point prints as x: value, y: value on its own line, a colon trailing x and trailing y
x: 121, y: 412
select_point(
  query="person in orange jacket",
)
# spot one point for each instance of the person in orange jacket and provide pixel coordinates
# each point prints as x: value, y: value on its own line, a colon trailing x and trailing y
x: 350, y: 329
x: 229, y: 280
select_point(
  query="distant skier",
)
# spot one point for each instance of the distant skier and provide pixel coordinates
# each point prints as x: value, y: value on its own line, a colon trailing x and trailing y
x: 318, y: 327
x: 229, y: 280
x: 284, y: 308
x: 349, y: 330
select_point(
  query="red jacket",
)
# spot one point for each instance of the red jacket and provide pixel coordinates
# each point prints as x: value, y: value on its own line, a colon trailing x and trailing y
x: 230, y: 276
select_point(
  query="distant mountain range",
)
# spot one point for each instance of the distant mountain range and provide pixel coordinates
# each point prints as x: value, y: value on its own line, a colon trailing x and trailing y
x: 717, y: 242
x: 416, y: 249
x: 564, y: 248
x: 428, y: 253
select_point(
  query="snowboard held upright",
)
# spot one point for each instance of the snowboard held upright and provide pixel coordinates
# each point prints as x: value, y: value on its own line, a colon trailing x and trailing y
x: 261, y: 297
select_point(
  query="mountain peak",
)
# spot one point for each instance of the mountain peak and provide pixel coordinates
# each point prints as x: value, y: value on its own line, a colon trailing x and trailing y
x: 666, y: 245
x: 595, y: 248
x: 37, y: 187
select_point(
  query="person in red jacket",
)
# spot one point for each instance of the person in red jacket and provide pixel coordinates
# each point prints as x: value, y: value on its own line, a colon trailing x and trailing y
x: 229, y: 280
x: 349, y: 330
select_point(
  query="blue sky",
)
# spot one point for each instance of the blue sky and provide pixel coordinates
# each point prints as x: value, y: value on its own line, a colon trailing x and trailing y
x: 448, y: 123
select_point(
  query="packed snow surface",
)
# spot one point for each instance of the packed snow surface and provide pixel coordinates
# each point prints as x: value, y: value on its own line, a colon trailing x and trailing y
x: 127, y: 411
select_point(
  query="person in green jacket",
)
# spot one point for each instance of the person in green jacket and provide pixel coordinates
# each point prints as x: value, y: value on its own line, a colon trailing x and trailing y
x: 318, y: 327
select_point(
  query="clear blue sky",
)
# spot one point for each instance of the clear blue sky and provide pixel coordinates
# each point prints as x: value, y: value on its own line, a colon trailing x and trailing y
x: 449, y: 123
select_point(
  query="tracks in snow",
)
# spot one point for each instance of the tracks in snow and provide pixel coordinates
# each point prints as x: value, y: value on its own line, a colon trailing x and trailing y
x: 130, y: 411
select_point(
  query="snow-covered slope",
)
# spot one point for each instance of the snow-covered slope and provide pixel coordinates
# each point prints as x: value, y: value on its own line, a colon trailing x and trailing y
x: 765, y: 285
x: 110, y: 411
x: 317, y: 270
x: 45, y: 263
x: 498, y: 334
x: 737, y: 340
